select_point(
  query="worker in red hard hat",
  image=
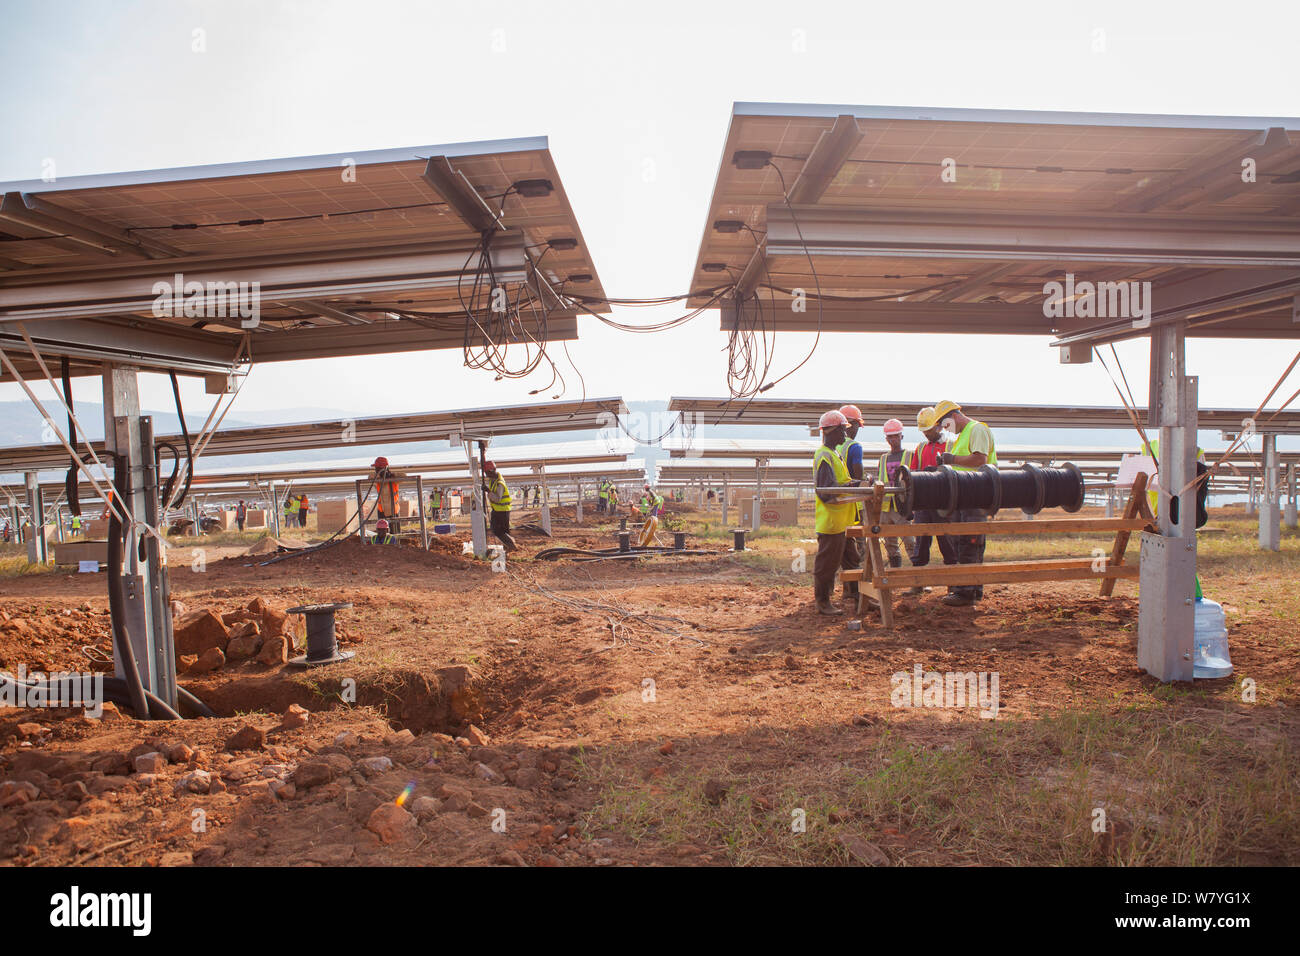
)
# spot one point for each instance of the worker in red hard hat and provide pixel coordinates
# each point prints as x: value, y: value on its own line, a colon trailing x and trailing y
x: 499, y: 499
x: 887, y: 474
x: 382, y: 535
x: 850, y: 452
x: 387, y: 491
x: 833, y: 514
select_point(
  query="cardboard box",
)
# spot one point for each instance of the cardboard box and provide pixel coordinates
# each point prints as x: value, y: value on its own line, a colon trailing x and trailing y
x: 94, y: 529
x: 225, y: 520
x: 73, y: 552
x: 776, y: 512
x: 254, y: 519
x: 332, y: 516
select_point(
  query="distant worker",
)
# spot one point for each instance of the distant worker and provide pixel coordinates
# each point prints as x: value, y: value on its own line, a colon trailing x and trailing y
x: 499, y: 499
x: 435, y: 503
x: 290, y: 511
x: 304, y: 508
x: 387, y: 491
x: 850, y: 452
x: 613, y: 497
x: 971, y: 447
x: 887, y: 474
x: 602, y: 497
x: 652, y: 503
x: 833, y: 515
x: 76, y: 525
x: 381, y: 535
x: 928, y: 456
x: 241, y: 514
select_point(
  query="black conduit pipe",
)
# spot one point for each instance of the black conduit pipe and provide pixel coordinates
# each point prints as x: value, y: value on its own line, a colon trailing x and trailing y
x: 117, y: 593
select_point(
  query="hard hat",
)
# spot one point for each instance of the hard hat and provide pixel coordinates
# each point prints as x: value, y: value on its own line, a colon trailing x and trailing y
x: 831, y: 419
x: 853, y: 414
x: 380, y: 463
x: 893, y: 427
x: 381, y: 525
x: 926, y: 418
x: 945, y: 408
x: 489, y: 466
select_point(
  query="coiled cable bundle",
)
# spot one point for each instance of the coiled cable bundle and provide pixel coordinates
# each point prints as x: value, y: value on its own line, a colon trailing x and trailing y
x: 947, y: 490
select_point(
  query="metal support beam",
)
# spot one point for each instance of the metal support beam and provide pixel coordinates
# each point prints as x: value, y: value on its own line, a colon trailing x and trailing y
x: 546, y: 500
x: 1290, y: 496
x: 424, y: 524
x: 36, y: 541
x: 361, y: 514
x: 724, y: 501
x: 147, y: 611
x: 577, y: 506
x: 275, y: 508
x: 756, y: 516
x: 1270, y: 519
x: 477, y: 520
x: 1168, y: 560
x: 823, y: 164
x: 1250, y: 497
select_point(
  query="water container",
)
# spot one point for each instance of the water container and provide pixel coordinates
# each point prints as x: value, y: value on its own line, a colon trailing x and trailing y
x: 1211, y: 646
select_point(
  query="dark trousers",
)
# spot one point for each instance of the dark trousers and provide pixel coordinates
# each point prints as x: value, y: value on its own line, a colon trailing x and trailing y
x: 500, y: 525
x: 920, y: 555
x: 969, y: 549
x: 834, y: 551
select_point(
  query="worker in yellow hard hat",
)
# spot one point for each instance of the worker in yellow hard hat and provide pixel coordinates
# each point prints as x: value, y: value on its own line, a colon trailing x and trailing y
x: 928, y: 456
x: 833, y: 515
x: 970, y: 447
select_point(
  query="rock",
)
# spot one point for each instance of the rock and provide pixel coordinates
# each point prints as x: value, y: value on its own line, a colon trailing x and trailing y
x: 283, y: 789
x: 208, y: 855
x: 527, y: 777
x: 196, y: 781
x: 185, y: 661
x: 294, y: 717
x: 109, y: 712
x: 275, y: 650
x: 509, y: 858
x: 685, y: 850
x: 214, y: 658
x: 199, y: 631
x: 247, y: 737
x: 245, y: 629
x: 150, y: 763
x: 426, y: 807
x: 110, y: 782
x: 314, y: 773
x: 29, y: 730
x: 242, y: 648
x: 455, y: 683
x: 373, y: 766
x: 115, y: 762
x: 217, y: 786
x: 400, y: 739
x: 39, y: 760
x: 868, y: 854
x: 14, y: 793
x: 331, y: 854
x: 484, y: 772
x: 346, y: 739
x: 715, y: 791
x: 176, y: 858
x: 476, y: 811
x: 178, y: 752
x: 477, y: 737
x: 390, y: 822
x: 275, y: 623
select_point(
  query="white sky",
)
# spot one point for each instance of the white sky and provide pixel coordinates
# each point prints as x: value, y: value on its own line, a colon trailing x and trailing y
x: 101, y: 87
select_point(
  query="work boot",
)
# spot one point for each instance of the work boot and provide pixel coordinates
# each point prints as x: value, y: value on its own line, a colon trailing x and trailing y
x: 826, y: 607
x: 958, y: 600
x: 917, y: 590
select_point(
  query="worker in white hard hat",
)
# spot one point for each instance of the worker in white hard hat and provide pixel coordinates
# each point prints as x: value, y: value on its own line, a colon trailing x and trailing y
x: 834, y: 515
x: 927, y: 456
x: 887, y: 474
x: 970, y: 447
x: 850, y: 452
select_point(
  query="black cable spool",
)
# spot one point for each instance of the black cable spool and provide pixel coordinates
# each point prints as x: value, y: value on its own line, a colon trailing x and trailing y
x: 322, y: 646
x: 947, y: 490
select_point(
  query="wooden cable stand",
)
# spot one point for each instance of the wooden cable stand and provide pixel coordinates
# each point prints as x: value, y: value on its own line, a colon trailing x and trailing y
x: 877, y: 581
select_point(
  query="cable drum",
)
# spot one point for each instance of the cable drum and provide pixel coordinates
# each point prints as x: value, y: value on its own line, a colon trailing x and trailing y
x: 1031, y: 488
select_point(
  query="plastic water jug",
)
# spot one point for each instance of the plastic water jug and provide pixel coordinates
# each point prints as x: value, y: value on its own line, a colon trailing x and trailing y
x: 1211, y: 646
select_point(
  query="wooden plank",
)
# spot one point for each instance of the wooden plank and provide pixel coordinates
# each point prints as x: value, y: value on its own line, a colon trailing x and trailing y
x: 1046, y: 526
x: 1134, y: 508
x: 878, y: 566
x: 1004, y: 572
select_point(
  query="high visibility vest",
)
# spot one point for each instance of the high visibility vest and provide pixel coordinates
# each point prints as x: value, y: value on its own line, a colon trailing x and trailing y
x: 604, y: 491
x: 388, y: 498
x: 833, y: 518
x: 882, y: 476
x: 499, y: 494
x: 1152, y: 450
x: 843, y: 453
x: 76, y: 522
x: 384, y: 538
x: 925, y: 455
x: 962, y: 447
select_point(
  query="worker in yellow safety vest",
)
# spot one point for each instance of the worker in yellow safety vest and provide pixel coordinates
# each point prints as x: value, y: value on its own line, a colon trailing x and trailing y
x: 833, y: 515
x: 850, y: 452
x: 887, y: 474
x: 1151, y: 449
x: 499, y: 501
x: 970, y: 447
